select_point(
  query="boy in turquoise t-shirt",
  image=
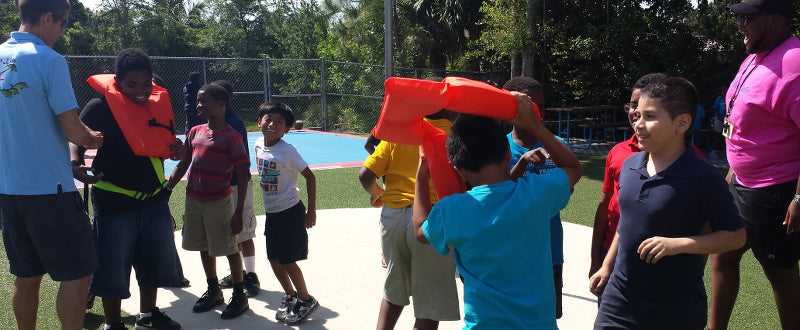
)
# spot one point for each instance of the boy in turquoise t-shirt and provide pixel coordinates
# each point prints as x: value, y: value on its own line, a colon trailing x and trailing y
x: 498, y: 220
x: 521, y: 142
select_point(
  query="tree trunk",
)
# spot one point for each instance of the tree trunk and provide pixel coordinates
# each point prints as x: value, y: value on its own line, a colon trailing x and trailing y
x: 527, y: 63
x: 529, y: 55
x: 515, y: 65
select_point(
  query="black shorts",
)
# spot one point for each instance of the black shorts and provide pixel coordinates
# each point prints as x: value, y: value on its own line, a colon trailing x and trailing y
x: 48, y: 234
x: 763, y: 211
x: 287, y: 238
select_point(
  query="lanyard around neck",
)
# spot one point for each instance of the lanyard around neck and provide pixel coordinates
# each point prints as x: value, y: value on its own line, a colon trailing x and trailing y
x: 743, y: 79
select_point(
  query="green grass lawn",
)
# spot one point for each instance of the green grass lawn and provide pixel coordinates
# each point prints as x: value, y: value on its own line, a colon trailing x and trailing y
x: 339, y: 188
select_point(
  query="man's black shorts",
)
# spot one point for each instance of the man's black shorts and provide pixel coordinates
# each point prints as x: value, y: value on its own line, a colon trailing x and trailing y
x: 48, y: 234
x: 763, y: 211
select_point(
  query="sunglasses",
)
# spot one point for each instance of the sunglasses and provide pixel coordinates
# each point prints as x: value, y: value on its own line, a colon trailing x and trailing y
x: 744, y: 19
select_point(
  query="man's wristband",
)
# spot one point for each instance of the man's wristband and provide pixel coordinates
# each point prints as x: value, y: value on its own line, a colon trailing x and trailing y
x: 797, y: 199
x: 75, y: 163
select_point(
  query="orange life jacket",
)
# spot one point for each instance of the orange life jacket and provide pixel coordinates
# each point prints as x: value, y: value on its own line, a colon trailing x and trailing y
x: 408, y: 100
x: 149, y: 128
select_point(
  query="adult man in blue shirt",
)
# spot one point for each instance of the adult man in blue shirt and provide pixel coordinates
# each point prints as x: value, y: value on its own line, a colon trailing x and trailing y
x: 38, y: 112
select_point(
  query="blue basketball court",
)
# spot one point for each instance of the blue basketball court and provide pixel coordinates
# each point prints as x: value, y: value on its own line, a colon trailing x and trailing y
x: 321, y: 150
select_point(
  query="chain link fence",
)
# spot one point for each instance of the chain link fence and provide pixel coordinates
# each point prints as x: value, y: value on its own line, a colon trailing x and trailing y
x: 325, y: 95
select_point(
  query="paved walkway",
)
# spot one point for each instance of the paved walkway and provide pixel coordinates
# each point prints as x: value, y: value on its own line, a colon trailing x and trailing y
x: 343, y: 272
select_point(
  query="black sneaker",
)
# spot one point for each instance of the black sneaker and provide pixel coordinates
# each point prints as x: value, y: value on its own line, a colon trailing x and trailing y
x: 227, y: 281
x: 251, y: 284
x: 118, y: 326
x: 209, y: 299
x: 157, y: 320
x: 236, y: 306
x: 287, y: 304
x: 301, y: 311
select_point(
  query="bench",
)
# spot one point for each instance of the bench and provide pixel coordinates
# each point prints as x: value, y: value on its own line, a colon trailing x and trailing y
x: 606, y: 127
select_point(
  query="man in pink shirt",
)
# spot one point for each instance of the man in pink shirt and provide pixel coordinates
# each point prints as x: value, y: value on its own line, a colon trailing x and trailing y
x: 763, y: 136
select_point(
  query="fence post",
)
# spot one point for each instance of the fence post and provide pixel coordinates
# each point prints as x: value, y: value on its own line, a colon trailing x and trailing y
x: 323, y: 95
x: 265, y: 67
x: 205, y: 72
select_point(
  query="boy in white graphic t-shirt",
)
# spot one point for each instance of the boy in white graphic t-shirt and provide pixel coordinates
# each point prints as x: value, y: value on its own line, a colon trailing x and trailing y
x: 287, y: 220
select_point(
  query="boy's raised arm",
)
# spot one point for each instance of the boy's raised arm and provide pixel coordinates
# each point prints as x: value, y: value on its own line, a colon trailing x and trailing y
x: 560, y: 154
x: 422, y: 200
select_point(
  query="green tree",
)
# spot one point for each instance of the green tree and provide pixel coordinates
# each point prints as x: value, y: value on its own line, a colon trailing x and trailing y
x: 78, y: 38
x: 9, y: 17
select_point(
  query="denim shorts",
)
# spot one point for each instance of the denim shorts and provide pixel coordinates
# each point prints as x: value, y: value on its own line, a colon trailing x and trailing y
x: 48, y: 234
x: 763, y: 211
x: 287, y: 238
x: 142, y: 239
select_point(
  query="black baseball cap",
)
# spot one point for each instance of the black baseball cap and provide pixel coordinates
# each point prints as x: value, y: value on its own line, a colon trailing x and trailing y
x: 749, y: 7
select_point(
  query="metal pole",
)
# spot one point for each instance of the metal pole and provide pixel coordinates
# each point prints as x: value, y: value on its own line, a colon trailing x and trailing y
x: 323, y: 95
x: 205, y: 78
x: 265, y: 67
x: 388, y: 32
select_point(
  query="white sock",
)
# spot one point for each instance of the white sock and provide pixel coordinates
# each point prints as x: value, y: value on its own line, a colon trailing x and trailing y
x: 249, y: 264
x: 143, y: 315
x: 106, y: 326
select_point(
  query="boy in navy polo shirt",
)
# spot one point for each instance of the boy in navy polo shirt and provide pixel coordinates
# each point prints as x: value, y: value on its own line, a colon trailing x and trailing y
x: 653, y: 273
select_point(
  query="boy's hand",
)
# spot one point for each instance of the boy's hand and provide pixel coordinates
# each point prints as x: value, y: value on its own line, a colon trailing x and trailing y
x: 599, y: 280
x: 375, y: 197
x: 178, y: 149
x: 236, y: 222
x: 311, y: 219
x: 657, y: 247
x: 594, y: 266
x: 536, y: 156
x: 525, y: 115
x: 81, y: 173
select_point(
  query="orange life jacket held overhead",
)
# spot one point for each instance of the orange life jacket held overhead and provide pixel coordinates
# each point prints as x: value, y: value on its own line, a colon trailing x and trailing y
x: 149, y: 128
x: 408, y: 100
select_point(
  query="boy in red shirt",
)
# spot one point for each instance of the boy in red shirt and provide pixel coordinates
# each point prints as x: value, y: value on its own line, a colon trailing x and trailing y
x: 212, y: 221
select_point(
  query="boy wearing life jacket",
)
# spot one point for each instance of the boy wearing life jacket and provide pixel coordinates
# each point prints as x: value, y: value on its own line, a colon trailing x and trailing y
x: 212, y: 222
x: 132, y: 222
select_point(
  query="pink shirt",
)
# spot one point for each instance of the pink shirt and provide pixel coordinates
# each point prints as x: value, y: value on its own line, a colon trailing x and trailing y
x: 765, y: 147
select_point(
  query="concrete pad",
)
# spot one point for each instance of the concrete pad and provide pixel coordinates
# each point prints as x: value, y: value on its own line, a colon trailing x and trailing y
x: 343, y: 272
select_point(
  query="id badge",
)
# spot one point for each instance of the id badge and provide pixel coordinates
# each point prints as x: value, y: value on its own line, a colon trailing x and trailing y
x: 727, y: 128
